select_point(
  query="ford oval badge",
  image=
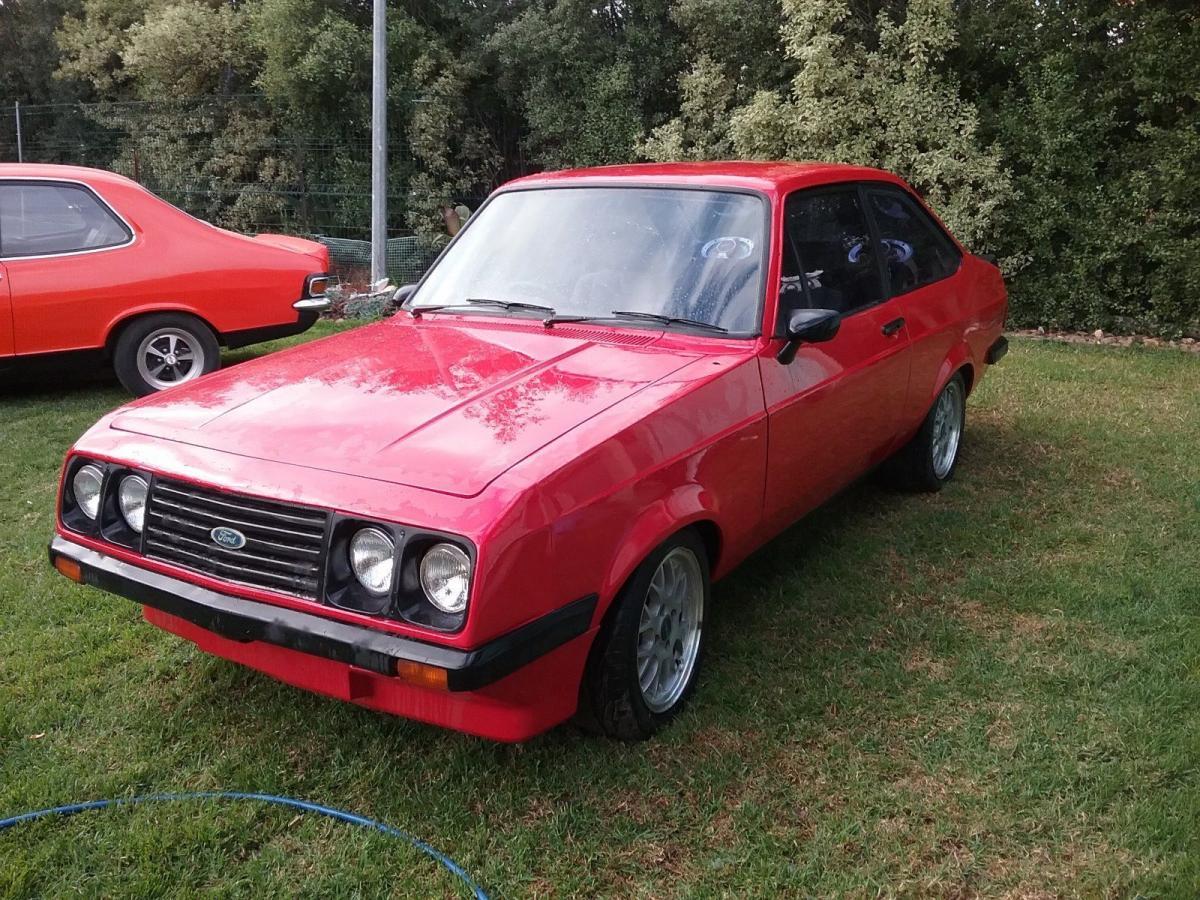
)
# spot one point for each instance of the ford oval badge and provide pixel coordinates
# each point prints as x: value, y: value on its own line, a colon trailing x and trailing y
x: 229, y: 538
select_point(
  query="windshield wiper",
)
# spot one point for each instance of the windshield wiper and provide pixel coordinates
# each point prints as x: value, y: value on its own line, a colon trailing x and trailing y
x: 666, y: 320
x: 482, y: 301
x: 556, y: 320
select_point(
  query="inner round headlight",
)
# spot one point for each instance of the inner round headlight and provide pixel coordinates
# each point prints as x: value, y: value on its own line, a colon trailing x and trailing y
x: 446, y: 577
x: 132, y: 497
x: 371, y: 558
x: 86, y: 488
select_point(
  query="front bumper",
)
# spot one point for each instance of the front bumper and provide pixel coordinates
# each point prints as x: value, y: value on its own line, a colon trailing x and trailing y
x: 233, y: 627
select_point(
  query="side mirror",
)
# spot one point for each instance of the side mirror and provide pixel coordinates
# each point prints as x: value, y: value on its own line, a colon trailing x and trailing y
x: 402, y: 294
x: 808, y: 326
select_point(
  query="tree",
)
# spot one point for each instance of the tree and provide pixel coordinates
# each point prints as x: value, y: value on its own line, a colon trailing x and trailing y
x: 587, y: 75
x: 29, y: 52
x: 1096, y: 105
x: 866, y: 90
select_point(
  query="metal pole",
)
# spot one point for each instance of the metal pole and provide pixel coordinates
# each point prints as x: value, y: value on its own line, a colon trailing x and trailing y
x: 379, y: 143
x: 20, y: 149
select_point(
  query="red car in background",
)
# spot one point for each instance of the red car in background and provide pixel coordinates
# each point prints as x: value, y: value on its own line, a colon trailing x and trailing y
x: 506, y: 503
x: 94, y: 265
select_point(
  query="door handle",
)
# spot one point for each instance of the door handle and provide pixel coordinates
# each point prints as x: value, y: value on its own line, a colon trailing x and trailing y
x: 893, y: 326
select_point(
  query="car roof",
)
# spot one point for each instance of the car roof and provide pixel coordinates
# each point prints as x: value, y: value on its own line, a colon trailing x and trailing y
x: 71, y: 173
x: 766, y: 177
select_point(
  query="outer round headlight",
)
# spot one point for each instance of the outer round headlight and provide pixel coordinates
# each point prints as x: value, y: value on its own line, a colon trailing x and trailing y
x: 86, y: 487
x: 132, y: 497
x: 371, y: 558
x: 446, y: 577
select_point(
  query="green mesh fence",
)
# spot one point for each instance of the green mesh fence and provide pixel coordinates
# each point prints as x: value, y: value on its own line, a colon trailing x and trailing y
x: 236, y: 163
x: 407, y: 257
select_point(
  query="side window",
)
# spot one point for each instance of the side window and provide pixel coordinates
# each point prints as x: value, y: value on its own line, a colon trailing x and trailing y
x: 38, y: 218
x: 918, y: 252
x: 828, y: 258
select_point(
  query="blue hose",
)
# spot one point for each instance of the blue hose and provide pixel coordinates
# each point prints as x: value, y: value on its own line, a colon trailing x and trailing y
x: 340, y: 815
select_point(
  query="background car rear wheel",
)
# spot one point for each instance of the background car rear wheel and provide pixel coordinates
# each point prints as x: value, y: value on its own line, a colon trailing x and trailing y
x: 644, y: 665
x: 928, y: 461
x: 164, y: 350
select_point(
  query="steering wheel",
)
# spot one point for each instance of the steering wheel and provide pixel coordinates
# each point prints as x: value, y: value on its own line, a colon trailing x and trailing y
x: 727, y: 247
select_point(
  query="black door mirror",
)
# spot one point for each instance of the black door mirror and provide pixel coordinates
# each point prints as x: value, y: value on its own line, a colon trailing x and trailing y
x: 808, y: 326
x: 402, y: 294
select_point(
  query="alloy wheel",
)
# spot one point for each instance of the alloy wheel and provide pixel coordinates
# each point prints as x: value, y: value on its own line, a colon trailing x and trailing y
x: 668, y: 641
x: 170, y: 356
x: 947, y: 428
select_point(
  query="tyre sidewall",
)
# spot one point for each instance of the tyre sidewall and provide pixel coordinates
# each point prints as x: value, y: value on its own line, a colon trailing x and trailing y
x: 618, y: 657
x: 927, y: 443
x: 126, y: 348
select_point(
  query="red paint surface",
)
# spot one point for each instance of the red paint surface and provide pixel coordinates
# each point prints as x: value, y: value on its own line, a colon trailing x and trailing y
x: 174, y: 264
x: 564, y: 455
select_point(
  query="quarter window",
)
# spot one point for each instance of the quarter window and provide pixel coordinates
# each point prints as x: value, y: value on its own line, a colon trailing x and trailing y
x: 918, y: 252
x: 828, y: 256
x: 41, y: 218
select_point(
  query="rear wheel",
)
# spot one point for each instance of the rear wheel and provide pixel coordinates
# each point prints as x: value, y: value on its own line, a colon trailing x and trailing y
x: 928, y: 461
x: 164, y: 350
x: 645, y: 662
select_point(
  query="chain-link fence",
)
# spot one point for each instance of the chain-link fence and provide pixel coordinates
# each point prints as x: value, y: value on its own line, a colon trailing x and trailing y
x: 234, y: 162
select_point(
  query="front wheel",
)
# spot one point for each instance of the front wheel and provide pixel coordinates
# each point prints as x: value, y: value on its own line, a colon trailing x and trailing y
x: 928, y: 461
x: 645, y: 663
x: 164, y: 350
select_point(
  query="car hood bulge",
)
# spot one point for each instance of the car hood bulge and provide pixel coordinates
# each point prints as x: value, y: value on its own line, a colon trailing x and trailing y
x: 439, y: 406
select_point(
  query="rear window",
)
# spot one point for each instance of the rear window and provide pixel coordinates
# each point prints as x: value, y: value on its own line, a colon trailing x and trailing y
x: 45, y: 218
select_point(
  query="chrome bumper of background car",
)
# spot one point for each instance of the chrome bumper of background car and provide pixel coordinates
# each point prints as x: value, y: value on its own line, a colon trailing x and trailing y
x: 240, y: 619
x: 313, y: 304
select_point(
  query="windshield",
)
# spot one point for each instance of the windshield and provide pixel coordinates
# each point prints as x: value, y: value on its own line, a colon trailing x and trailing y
x: 589, y: 252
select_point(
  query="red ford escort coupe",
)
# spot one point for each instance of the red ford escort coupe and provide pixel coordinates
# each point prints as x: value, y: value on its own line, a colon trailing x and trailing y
x: 92, y: 265
x: 506, y: 503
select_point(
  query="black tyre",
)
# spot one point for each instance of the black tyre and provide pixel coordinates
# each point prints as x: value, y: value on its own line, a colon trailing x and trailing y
x: 928, y: 461
x: 162, y: 350
x: 645, y: 662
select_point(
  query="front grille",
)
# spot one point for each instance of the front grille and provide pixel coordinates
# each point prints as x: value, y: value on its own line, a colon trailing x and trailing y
x: 284, y: 549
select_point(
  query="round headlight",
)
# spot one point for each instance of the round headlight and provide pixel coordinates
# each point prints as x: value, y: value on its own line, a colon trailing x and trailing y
x: 86, y: 487
x: 132, y: 497
x: 446, y: 577
x: 371, y: 558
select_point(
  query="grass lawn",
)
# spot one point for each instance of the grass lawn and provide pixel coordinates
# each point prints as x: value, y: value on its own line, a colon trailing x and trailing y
x: 990, y: 691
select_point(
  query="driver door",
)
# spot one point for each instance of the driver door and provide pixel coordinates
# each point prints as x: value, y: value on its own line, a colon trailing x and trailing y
x: 835, y: 410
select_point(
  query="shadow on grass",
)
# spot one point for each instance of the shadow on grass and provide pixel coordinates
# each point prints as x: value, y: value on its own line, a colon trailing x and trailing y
x: 55, y: 380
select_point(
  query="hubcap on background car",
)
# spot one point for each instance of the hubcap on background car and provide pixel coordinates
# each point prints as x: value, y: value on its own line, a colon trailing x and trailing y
x: 669, y: 634
x: 168, y: 357
x: 947, y: 428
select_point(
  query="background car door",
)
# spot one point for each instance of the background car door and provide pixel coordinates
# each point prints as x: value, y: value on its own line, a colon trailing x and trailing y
x: 59, y: 245
x: 924, y: 267
x: 835, y: 410
x: 6, y: 330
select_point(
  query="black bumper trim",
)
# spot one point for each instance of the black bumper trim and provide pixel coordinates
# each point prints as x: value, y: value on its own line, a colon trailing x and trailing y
x: 249, y: 620
x: 996, y: 351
